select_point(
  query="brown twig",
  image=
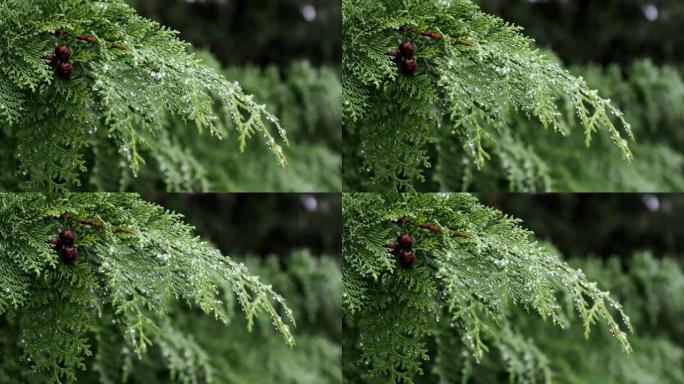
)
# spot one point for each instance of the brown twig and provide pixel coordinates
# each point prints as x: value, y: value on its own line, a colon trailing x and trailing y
x: 97, y: 224
x: 89, y: 39
x: 437, y: 36
x: 434, y: 229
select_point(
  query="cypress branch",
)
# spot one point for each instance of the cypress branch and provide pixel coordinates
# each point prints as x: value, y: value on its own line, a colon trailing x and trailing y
x: 531, y: 160
x: 461, y: 287
x: 126, y: 76
x: 531, y: 350
x: 135, y: 262
x: 468, y: 73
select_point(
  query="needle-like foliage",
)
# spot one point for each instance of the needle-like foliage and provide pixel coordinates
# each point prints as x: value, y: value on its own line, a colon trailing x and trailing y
x: 307, y: 102
x: 529, y: 159
x: 472, y: 69
x: 129, y: 75
x: 474, y: 264
x: 135, y: 260
x: 311, y: 285
x: 647, y: 287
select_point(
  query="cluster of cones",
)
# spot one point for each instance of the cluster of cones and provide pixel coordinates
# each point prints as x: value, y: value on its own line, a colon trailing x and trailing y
x: 64, y: 245
x: 402, y: 250
x: 59, y: 60
x: 403, y: 57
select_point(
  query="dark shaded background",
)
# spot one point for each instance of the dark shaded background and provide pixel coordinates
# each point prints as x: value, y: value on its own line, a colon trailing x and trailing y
x: 606, y: 31
x: 583, y: 225
x: 262, y: 224
x: 256, y: 32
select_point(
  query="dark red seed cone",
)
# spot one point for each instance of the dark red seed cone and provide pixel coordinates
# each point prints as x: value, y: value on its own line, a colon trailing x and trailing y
x: 405, y: 241
x: 407, y: 49
x: 51, y: 59
x: 67, y: 237
x: 63, y: 52
x: 395, y: 55
x: 407, y: 258
x: 69, y: 254
x: 409, y: 66
x: 406, y: 28
x: 404, y: 221
x: 64, y: 70
x: 55, y: 243
x: 394, y: 248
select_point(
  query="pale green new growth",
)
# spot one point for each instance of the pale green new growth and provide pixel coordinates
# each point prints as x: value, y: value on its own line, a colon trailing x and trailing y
x: 135, y: 259
x: 473, y: 69
x: 130, y: 75
x: 472, y: 269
